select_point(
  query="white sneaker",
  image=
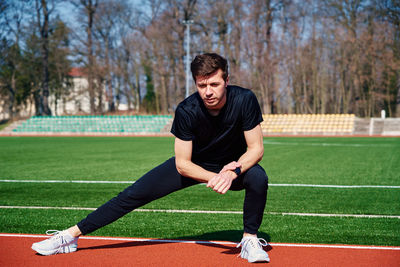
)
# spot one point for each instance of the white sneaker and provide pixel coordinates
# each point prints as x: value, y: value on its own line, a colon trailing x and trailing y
x: 252, y: 249
x: 60, y: 242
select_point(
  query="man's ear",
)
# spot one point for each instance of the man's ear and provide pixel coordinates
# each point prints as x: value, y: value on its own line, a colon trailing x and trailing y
x: 227, y: 80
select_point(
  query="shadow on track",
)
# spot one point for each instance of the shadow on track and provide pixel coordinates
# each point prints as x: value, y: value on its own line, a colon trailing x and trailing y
x: 227, y: 235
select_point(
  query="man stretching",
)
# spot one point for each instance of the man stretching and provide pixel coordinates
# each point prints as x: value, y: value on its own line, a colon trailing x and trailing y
x: 218, y: 141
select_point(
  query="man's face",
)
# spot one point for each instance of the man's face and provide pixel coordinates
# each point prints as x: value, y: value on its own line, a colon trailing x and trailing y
x: 212, y: 90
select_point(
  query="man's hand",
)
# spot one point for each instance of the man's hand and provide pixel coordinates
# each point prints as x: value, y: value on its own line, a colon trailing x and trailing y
x: 221, y: 182
x: 231, y: 166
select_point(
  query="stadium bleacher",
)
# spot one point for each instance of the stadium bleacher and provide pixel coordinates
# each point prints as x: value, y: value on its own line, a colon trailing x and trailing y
x: 273, y: 124
x: 323, y: 124
x: 95, y: 124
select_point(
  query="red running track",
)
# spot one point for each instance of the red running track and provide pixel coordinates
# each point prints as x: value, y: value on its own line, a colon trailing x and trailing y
x: 92, y: 251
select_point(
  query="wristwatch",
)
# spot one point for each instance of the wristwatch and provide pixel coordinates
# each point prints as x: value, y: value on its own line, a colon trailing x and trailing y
x: 238, y: 171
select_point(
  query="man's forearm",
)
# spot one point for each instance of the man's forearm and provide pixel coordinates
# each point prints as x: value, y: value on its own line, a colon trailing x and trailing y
x: 255, y: 148
x: 250, y: 158
x: 194, y: 171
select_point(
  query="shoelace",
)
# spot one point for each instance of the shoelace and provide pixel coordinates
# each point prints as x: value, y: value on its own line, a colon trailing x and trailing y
x: 52, y: 232
x: 261, y: 242
x: 55, y: 236
x: 253, y: 242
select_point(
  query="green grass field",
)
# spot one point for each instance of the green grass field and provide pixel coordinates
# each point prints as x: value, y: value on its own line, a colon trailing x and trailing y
x: 317, y: 161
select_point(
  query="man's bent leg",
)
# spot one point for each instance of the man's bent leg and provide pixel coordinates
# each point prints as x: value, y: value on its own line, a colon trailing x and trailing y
x: 255, y: 182
x: 155, y: 184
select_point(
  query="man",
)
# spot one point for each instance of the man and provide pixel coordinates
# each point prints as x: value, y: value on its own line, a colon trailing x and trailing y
x: 218, y: 141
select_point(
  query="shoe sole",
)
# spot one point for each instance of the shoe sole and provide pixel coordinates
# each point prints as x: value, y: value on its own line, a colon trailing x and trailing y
x: 258, y: 259
x: 54, y: 251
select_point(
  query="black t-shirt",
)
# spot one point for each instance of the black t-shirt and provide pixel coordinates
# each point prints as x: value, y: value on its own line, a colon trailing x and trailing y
x: 217, y: 140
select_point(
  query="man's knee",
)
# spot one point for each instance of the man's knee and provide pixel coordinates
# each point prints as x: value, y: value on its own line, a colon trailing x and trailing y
x: 256, y: 178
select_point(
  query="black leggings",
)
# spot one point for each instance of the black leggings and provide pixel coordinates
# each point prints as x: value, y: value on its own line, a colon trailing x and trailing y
x: 165, y: 179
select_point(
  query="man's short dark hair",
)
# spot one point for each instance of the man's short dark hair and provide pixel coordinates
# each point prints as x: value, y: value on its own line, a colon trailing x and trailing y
x: 207, y: 64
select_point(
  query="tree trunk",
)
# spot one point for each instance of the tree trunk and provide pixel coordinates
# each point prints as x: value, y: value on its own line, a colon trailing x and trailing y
x: 236, y: 39
x: 90, y: 8
x: 268, y: 87
x: 110, y: 94
x: 44, y: 34
x: 164, y: 102
x: 398, y: 99
x: 100, y: 97
x: 11, y: 98
x: 138, y: 96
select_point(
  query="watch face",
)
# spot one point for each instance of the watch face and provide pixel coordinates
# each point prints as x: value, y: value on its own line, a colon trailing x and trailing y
x: 237, y: 171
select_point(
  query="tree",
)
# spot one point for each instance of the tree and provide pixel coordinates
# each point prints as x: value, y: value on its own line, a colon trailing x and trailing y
x: 59, y: 64
x: 151, y: 104
x: 13, y: 15
x: 43, y: 12
x: 107, y: 19
x: 297, y: 56
x: 88, y: 9
x: 389, y: 10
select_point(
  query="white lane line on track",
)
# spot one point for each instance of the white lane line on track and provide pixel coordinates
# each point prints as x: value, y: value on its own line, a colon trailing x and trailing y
x: 211, y: 242
x: 370, y: 216
x: 131, y: 182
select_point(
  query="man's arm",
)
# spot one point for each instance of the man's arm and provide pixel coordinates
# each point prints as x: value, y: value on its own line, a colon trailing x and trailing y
x: 184, y: 164
x: 255, y: 148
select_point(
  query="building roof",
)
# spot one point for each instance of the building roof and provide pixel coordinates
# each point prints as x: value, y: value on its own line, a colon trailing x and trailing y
x: 77, y: 72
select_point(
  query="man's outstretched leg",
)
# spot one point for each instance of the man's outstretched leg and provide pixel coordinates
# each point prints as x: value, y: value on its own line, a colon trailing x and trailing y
x: 155, y: 184
x: 255, y: 182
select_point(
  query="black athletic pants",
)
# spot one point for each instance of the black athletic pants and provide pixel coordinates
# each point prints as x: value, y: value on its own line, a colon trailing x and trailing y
x: 164, y: 180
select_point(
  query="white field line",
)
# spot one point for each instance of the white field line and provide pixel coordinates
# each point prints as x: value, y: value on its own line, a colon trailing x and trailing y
x: 212, y: 242
x: 337, y: 186
x: 131, y: 182
x: 325, y: 144
x: 217, y: 212
x: 67, y: 181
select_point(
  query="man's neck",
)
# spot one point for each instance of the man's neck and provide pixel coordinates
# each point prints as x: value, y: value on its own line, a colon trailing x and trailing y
x: 214, y: 112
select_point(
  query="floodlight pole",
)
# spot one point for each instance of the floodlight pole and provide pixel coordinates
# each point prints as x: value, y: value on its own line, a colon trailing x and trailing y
x: 187, y: 23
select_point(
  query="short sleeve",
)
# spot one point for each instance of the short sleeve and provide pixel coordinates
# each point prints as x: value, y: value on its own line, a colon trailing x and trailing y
x: 182, y: 126
x: 251, y: 112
